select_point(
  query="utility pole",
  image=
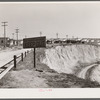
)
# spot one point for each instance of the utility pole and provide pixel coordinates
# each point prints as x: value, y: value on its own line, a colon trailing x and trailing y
x: 40, y: 34
x: 72, y: 37
x: 17, y: 31
x: 57, y: 35
x: 66, y: 38
x: 25, y: 36
x: 4, y: 25
x: 13, y: 36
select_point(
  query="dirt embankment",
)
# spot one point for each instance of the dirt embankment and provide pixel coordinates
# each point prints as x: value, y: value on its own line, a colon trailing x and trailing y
x: 26, y: 76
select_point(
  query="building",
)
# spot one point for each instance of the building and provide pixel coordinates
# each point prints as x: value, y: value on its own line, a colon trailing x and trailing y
x: 14, y: 42
x: 4, y: 41
x: 95, y: 41
x: 20, y: 42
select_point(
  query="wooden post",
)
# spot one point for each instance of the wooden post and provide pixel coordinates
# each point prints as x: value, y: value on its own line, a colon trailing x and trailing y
x: 22, y: 56
x: 15, y: 61
x: 25, y: 53
x: 34, y: 59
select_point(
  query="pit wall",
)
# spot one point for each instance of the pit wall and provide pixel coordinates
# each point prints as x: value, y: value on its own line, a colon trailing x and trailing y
x: 72, y: 58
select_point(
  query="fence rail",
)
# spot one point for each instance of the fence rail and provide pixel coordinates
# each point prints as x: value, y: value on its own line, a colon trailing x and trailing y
x: 12, y: 64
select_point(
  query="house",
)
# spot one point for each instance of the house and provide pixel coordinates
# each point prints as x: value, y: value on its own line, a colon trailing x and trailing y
x: 10, y: 42
x: 4, y: 41
x: 15, y: 42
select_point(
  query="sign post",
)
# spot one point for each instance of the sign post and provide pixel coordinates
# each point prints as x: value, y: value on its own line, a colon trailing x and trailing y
x: 34, y: 59
x: 35, y: 42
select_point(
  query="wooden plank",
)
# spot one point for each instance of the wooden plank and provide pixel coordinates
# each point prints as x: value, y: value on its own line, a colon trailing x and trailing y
x: 2, y: 69
x: 5, y: 72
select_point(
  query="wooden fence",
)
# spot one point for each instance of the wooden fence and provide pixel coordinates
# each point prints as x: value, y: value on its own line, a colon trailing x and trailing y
x: 12, y: 64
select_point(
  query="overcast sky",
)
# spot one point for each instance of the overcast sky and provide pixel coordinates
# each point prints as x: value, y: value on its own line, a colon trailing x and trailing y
x: 73, y: 19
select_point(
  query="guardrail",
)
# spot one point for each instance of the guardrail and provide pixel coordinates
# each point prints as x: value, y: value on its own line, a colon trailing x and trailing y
x: 12, y: 64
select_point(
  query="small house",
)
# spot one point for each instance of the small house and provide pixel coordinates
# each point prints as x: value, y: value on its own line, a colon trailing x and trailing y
x: 4, y: 41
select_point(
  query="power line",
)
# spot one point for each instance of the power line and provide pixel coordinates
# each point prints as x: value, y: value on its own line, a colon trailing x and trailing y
x: 4, y: 25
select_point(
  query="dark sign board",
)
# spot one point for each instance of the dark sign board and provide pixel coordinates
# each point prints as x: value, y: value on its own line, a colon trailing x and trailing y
x: 35, y: 42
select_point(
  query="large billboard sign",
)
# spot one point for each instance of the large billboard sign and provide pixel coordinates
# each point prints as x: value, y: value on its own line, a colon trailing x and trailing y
x: 35, y: 42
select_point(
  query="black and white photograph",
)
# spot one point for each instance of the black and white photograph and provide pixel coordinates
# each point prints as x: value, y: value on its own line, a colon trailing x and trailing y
x: 49, y: 45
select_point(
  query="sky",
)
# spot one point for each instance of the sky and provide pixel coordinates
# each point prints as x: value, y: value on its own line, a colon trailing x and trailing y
x: 78, y: 19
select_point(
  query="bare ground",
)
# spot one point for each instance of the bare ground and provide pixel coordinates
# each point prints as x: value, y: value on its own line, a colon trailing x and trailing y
x: 26, y: 76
